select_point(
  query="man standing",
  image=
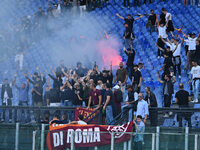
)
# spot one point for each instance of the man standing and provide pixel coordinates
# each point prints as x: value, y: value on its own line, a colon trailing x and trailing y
x: 195, y: 77
x: 82, y: 7
x: 177, y: 58
x: 161, y: 33
x: 150, y: 98
x: 129, y: 103
x: 122, y: 76
x: 127, y: 36
x: 168, y: 19
x: 129, y: 21
x: 95, y: 97
x: 168, y: 90
x: 130, y: 60
x: 117, y: 99
x: 6, y: 97
x: 191, y: 48
x: 137, y: 79
x: 182, y: 98
x: 108, y: 104
x: 141, y: 108
x: 152, y: 21
x: 23, y: 98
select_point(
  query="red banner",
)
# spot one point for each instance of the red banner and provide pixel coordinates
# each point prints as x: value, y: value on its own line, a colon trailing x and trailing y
x: 86, y: 112
x: 60, y: 136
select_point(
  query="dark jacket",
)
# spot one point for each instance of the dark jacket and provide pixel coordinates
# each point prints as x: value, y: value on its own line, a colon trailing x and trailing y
x: 8, y: 89
x: 131, y: 57
x: 170, y: 87
x: 152, y: 98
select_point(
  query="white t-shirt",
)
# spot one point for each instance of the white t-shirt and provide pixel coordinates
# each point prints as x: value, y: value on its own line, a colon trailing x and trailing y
x: 195, y: 72
x: 170, y: 16
x: 186, y: 42
x: 82, y: 122
x: 172, y: 46
x: 192, y: 43
x: 178, y: 51
x: 162, y: 31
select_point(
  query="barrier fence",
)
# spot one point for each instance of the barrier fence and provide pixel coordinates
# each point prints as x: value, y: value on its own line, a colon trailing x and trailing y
x: 177, y: 117
x: 23, y: 137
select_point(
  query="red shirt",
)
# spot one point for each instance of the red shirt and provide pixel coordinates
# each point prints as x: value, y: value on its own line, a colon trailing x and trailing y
x: 95, y: 96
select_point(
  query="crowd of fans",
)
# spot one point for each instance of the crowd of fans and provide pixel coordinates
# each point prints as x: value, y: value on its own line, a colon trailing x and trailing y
x: 91, y: 87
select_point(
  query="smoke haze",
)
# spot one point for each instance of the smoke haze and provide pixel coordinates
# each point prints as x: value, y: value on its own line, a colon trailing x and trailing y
x: 68, y: 37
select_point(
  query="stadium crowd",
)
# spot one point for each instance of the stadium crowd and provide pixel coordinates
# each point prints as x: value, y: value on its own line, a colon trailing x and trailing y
x: 91, y: 87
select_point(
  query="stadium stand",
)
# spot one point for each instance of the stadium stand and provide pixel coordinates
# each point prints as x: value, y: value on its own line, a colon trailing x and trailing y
x: 37, y: 54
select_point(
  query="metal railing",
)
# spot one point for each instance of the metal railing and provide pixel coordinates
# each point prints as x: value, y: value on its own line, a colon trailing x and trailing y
x: 156, y: 138
x: 172, y: 119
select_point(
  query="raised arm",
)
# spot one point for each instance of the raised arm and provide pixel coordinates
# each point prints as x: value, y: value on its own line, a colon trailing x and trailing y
x: 182, y: 39
x: 170, y: 43
x: 63, y: 71
x: 159, y: 47
x: 185, y: 35
x: 115, y: 79
x: 38, y: 70
x: 14, y: 80
x: 125, y: 51
x: 27, y: 84
x: 53, y: 71
x: 164, y: 40
x: 52, y: 77
x: 159, y: 78
x: 31, y: 81
x: 117, y: 14
x: 175, y: 48
x: 198, y: 36
x: 136, y: 126
x: 138, y: 17
x: 167, y: 20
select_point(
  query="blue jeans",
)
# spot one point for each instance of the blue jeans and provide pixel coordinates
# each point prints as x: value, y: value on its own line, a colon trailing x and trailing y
x: 195, y: 86
x: 124, y: 94
x: 109, y: 114
x: 21, y: 112
x: 70, y: 114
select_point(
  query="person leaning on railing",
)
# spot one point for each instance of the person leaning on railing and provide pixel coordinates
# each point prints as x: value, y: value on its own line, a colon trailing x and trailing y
x: 140, y: 129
